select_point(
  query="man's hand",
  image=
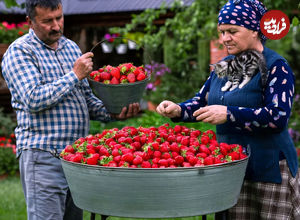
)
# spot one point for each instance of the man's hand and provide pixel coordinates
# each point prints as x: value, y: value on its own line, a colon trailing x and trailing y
x: 83, y: 66
x: 213, y: 114
x: 168, y: 109
x: 133, y: 110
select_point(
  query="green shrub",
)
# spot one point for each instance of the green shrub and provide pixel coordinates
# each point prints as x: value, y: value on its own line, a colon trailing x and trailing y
x: 9, y: 164
x: 146, y: 119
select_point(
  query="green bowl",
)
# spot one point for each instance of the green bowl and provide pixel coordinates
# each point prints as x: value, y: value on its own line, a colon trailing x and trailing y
x: 155, y: 192
x: 117, y: 96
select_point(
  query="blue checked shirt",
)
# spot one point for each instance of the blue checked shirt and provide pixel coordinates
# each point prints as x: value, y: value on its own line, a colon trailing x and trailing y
x: 53, y: 107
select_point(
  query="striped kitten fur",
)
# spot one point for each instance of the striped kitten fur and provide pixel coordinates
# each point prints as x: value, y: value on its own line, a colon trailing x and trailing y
x: 241, y: 69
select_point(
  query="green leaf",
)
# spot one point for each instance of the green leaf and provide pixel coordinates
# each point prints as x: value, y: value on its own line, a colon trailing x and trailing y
x: 295, y: 21
x: 10, y: 3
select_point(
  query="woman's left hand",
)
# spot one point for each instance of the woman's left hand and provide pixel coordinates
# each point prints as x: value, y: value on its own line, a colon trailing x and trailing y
x: 132, y: 110
x: 213, y: 114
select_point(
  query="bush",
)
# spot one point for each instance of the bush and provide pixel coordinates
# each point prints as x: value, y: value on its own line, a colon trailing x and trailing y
x: 9, y: 164
x: 146, y: 119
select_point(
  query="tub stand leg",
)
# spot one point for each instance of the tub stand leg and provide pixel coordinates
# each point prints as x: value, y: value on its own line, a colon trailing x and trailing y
x: 203, y: 217
x: 221, y: 215
x: 93, y: 216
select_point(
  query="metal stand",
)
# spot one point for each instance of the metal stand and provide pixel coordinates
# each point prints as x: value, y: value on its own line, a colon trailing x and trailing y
x: 218, y: 216
x: 221, y: 215
x: 93, y: 216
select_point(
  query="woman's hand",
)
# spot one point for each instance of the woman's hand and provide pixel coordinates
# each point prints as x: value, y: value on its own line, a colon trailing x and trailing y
x: 168, y: 109
x: 133, y: 110
x: 213, y: 114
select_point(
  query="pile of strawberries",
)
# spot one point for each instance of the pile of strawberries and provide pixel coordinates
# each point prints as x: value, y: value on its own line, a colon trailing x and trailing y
x: 153, y: 147
x: 124, y: 73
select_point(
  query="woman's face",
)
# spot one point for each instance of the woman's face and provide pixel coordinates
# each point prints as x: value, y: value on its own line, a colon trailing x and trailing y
x: 237, y: 39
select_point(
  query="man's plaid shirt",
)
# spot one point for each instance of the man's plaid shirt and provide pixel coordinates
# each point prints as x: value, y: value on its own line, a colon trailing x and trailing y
x: 53, y: 107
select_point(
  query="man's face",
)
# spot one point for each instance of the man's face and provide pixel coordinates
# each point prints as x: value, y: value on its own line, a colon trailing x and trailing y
x: 48, y: 24
x: 237, y: 39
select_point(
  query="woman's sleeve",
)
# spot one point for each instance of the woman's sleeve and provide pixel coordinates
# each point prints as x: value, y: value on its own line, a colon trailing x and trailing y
x: 278, y: 99
x: 199, y: 100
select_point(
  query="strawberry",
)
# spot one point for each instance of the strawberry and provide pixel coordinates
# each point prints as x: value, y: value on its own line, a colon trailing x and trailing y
x: 92, y: 159
x: 177, y: 128
x: 115, y: 72
x: 146, y: 164
x: 179, y: 160
x: 141, y: 76
x: 128, y: 157
x: 204, y: 149
x: 69, y: 149
x: 163, y: 162
x: 234, y: 155
x: 114, y: 80
x: 137, y: 160
x: 209, y: 160
x: 105, y: 76
x: 157, y: 154
x: 123, y: 79
x: 77, y: 158
x: 204, y: 139
x: 131, y: 78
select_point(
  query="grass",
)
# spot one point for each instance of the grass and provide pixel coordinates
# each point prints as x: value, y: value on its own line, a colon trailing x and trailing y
x: 146, y: 119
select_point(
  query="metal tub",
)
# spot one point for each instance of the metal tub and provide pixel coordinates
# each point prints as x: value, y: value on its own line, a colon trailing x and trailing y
x: 155, y: 193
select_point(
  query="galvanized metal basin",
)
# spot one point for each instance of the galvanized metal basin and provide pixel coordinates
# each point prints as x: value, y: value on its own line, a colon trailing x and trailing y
x: 117, y: 96
x: 155, y: 193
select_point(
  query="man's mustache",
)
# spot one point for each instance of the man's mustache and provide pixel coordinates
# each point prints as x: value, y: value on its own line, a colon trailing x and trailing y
x: 56, y: 32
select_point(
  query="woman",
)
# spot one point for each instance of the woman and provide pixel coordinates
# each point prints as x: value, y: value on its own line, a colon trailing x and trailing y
x: 251, y: 116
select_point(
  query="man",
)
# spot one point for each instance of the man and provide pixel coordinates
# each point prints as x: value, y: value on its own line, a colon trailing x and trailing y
x: 46, y: 73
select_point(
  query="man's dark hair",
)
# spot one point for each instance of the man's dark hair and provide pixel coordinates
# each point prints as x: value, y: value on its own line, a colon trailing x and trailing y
x: 32, y: 4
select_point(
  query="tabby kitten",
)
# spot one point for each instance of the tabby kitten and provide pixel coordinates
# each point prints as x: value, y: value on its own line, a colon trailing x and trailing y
x: 240, y: 69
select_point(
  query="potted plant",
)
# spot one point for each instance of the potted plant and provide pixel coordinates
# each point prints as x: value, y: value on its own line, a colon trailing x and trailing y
x: 107, y: 44
x: 10, y: 32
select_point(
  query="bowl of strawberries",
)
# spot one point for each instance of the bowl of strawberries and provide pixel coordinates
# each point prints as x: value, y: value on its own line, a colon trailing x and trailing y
x: 119, y: 86
x: 154, y: 172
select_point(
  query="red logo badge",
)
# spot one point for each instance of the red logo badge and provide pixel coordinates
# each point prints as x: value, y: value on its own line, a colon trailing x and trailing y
x: 275, y: 24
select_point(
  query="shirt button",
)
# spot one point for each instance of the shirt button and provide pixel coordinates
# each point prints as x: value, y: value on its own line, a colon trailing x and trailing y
x: 222, y: 97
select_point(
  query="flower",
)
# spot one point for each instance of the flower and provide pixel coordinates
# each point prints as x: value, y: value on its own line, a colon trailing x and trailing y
x: 8, y: 143
x: 11, y: 31
x: 157, y: 70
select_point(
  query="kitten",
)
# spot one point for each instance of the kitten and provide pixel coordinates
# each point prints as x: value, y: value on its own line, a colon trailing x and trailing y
x: 240, y: 69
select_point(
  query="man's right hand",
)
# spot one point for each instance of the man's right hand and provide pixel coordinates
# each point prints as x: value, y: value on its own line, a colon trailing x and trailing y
x: 169, y: 109
x: 83, y: 66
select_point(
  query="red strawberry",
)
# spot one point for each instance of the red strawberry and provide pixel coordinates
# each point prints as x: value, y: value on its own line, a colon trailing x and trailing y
x: 179, y: 160
x: 69, y: 149
x: 128, y: 157
x: 137, y: 160
x: 92, y: 159
x: 204, y: 139
x: 234, y: 155
x: 131, y: 78
x: 146, y: 164
x: 177, y: 128
x: 208, y: 160
x: 123, y: 79
x: 163, y: 162
x: 114, y: 80
x: 105, y: 76
x: 204, y: 149
x: 141, y: 76
x: 78, y: 158
x: 115, y: 72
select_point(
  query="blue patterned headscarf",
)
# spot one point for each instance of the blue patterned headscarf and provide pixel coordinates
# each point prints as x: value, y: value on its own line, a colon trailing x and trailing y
x: 244, y: 13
